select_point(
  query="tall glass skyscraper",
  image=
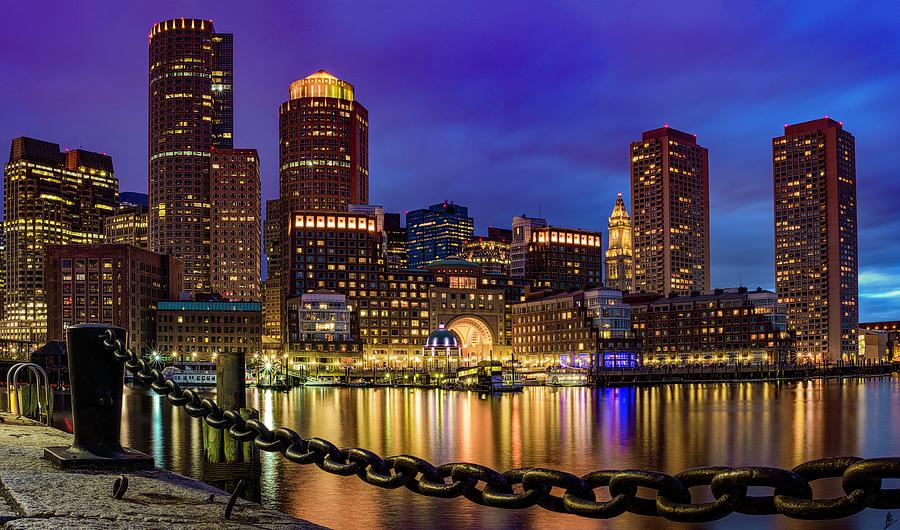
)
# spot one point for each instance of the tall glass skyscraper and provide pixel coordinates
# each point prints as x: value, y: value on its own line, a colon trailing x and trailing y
x: 190, y: 94
x: 437, y: 232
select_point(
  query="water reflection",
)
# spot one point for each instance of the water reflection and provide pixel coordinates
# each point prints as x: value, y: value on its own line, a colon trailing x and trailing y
x: 575, y: 429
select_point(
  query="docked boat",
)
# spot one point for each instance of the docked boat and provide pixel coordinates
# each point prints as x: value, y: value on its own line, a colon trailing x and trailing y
x: 489, y: 376
x: 192, y: 374
x: 566, y: 378
x: 320, y: 381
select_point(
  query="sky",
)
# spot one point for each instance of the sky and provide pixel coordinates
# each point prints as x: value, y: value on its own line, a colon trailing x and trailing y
x: 508, y: 107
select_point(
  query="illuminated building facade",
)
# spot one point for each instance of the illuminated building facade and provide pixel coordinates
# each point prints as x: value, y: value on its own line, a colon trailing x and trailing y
x: 324, y: 146
x: 274, y: 241
x: 437, y: 232
x: 128, y: 226
x: 726, y: 326
x: 202, y: 330
x: 491, y: 254
x: 564, y: 259
x: 2, y: 269
x: 222, y: 77
x: 577, y: 328
x: 338, y: 251
x: 187, y: 118
x: 620, y: 251
x: 397, y: 254
x: 321, y: 329
x: 670, y: 210
x: 50, y: 197
x: 471, y: 306
x: 236, y: 223
x: 814, y: 168
x: 518, y: 245
x: 892, y: 330
x: 115, y: 284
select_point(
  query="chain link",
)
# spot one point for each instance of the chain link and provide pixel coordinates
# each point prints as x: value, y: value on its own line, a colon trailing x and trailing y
x: 527, y: 487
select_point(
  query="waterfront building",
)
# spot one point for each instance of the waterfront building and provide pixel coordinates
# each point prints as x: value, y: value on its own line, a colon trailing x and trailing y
x: 874, y: 346
x: 519, y: 241
x: 725, y: 326
x: 892, y: 330
x: 551, y: 329
x: 322, y: 330
x: 50, y: 197
x: 324, y: 145
x: 620, y: 250
x: 437, y: 232
x: 816, y: 268
x: 128, y: 226
x: 115, y: 284
x: 564, y: 259
x: 203, y: 330
x: 491, y: 254
x: 670, y: 211
x: 235, y: 224
x: 187, y: 118
x: 394, y: 319
x: 577, y: 328
x: 463, y: 298
x: 397, y: 255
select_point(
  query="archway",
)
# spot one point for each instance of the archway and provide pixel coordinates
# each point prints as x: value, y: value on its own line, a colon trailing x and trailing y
x: 476, y: 340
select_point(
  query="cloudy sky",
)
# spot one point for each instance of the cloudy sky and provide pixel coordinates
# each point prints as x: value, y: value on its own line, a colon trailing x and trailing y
x: 508, y: 107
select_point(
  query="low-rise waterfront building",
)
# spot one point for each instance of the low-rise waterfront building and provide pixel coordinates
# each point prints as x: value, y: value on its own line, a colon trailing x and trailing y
x: 725, y: 326
x: 203, y: 330
x: 578, y: 329
x: 113, y: 284
x: 322, y: 330
x: 891, y: 329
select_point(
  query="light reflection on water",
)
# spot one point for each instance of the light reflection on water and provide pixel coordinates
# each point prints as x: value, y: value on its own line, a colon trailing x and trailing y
x: 670, y: 428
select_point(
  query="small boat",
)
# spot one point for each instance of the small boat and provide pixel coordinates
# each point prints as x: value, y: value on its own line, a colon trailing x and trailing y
x: 489, y: 376
x: 316, y: 381
x: 566, y: 378
x: 192, y: 374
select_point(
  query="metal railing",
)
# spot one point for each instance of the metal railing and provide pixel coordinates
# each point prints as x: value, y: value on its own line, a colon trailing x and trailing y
x: 861, y: 479
x: 41, y: 391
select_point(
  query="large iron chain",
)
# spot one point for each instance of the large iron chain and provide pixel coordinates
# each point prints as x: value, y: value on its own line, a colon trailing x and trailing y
x: 526, y: 487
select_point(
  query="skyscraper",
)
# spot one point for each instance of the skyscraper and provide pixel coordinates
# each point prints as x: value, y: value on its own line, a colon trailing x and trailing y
x: 189, y: 114
x: 437, y: 232
x: 324, y: 146
x: 323, y: 166
x: 620, y: 253
x: 235, y: 224
x: 670, y: 208
x: 50, y: 197
x: 814, y: 168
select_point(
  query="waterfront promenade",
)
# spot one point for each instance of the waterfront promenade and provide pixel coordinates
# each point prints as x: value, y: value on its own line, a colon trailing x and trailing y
x: 34, y: 494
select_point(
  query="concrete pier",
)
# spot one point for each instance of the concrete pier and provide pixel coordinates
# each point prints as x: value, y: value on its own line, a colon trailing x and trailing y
x: 34, y: 494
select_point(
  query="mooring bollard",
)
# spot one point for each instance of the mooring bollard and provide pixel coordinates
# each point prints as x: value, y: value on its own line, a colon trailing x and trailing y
x: 96, y: 379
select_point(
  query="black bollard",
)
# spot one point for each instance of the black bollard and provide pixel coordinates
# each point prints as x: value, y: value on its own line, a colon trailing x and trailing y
x: 96, y: 379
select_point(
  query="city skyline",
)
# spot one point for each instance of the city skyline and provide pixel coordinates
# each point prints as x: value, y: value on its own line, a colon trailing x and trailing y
x: 521, y: 136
